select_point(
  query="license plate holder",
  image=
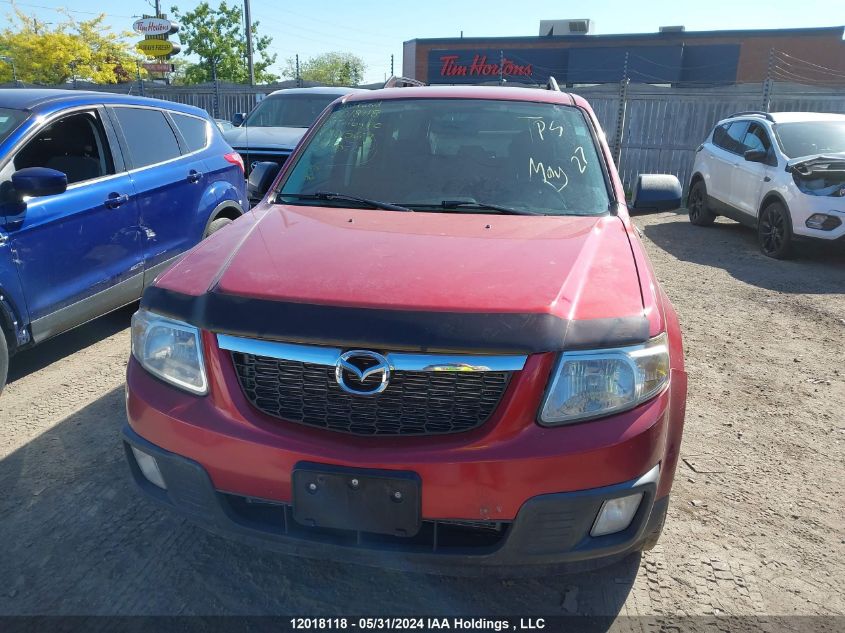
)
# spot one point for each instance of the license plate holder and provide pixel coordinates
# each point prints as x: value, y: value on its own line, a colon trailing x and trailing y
x: 357, y: 499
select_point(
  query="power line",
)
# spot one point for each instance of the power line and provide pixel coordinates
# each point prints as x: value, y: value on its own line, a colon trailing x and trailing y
x: 804, y: 61
x: 811, y: 70
x: 788, y: 75
x: 65, y: 10
x: 322, y: 21
x: 326, y: 37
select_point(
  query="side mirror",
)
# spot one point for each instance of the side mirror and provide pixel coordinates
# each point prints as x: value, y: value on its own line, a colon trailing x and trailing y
x: 238, y: 119
x: 39, y: 181
x: 657, y: 192
x: 756, y: 156
x: 261, y: 177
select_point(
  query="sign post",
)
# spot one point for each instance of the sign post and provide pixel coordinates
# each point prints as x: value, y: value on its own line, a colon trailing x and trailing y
x: 156, y: 44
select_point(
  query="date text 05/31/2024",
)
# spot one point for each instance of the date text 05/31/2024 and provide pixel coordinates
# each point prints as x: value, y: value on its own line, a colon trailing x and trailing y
x: 417, y: 624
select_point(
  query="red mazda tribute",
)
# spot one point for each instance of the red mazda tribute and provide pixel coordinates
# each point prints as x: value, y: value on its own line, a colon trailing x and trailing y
x: 437, y: 344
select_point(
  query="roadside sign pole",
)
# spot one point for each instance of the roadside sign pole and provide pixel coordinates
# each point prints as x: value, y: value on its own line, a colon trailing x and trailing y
x: 140, y: 81
x: 249, y: 61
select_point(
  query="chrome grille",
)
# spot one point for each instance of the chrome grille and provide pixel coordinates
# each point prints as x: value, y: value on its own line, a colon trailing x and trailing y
x: 414, y: 402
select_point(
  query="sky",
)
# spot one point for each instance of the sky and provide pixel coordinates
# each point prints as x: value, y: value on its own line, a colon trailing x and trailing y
x: 375, y: 29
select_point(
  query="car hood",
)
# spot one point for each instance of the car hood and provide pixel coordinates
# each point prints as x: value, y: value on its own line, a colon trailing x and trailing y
x: 264, y: 137
x: 570, y: 267
x: 807, y: 163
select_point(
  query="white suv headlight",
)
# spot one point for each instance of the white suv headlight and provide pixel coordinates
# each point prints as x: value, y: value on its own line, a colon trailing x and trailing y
x: 592, y: 384
x: 169, y: 349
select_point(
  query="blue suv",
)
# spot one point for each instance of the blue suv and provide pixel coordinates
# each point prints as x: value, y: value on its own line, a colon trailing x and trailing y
x: 99, y: 193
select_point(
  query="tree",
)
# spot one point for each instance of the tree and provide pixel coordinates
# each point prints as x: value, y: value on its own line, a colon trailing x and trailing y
x: 86, y: 50
x: 180, y: 69
x: 330, y: 69
x: 216, y: 36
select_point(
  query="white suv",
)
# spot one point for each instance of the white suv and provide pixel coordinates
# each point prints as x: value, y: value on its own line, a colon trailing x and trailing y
x: 781, y: 172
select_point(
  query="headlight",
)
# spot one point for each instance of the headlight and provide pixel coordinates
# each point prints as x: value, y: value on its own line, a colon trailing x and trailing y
x: 592, y: 384
x: 169, y: 349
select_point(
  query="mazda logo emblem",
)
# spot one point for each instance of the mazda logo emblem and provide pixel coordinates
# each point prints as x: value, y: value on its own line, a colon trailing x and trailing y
x: 361, y: 364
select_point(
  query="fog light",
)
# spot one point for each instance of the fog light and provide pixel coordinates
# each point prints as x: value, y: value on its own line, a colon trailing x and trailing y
x: 616, y: 514
x: 823, y: 222
x: 149, y: 467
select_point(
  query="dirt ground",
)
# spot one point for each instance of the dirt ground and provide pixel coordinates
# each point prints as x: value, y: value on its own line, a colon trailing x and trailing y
x: 755, y: 525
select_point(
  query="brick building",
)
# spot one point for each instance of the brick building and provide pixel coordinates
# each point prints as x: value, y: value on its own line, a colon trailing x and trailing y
x: 672, y: 56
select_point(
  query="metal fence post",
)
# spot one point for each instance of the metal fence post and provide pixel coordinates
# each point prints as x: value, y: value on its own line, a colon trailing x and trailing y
x: 215, y: 102
x: 620, y: 116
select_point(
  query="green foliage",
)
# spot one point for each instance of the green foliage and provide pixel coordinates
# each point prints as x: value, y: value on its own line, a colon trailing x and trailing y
x: 54, y: 54
x: 329, y: 69
x: 216, y: 36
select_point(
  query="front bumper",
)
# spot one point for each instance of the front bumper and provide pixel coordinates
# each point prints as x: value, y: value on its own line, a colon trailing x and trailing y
x: 550, y: 531
x: 484, y: 474
x: 804, y: 206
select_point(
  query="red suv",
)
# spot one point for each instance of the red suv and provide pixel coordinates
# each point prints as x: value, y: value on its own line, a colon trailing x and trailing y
x: 437, y: 344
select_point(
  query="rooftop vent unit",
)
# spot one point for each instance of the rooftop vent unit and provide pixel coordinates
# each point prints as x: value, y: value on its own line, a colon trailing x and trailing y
x: 566, y: 27
x: 673, y: 29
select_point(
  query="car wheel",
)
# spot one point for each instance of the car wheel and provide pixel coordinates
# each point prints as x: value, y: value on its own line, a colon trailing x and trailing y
x: 215, y: 226
x: 699, y: 213
x: 774, y: 231
x: 4, y: 360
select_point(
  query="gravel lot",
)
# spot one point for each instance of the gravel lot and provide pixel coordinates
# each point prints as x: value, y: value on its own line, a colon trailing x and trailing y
x: 755, y: 526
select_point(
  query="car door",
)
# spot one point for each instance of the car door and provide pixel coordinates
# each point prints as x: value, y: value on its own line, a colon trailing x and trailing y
x: 727, y: 141
x: 170, y: 182
x: 749, y: 177
x: 78, y: 253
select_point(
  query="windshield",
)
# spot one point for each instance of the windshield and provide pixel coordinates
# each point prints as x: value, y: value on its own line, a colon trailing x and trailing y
x: 295, y: 110
x: 455, y: 154
x: 9, y: 121
x: 811, y: 137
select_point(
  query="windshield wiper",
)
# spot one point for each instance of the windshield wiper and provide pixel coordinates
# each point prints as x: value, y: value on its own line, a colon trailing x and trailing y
x: 330, y: 195
x: 473, y: 204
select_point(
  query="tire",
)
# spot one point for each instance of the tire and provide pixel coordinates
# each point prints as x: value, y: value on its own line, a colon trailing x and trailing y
x: 4, y: 360
x: 699, y: 213
x: 774, y: 231
x: 216, y: 225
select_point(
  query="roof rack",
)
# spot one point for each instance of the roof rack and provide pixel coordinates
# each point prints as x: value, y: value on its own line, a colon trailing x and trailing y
x: 552, y: 84
x: 765, y: 115
x: 402, y: 82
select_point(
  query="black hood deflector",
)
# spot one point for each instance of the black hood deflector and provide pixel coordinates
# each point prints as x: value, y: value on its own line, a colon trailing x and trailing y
x: 400, y: 330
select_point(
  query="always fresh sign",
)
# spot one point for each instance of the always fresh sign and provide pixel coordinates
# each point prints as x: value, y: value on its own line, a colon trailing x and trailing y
x: 156, y: 48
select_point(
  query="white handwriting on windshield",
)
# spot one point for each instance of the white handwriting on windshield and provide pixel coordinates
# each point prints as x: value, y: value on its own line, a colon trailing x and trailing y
x: 539, y: 125
x: 555, y: 177
x: 579, y: 159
